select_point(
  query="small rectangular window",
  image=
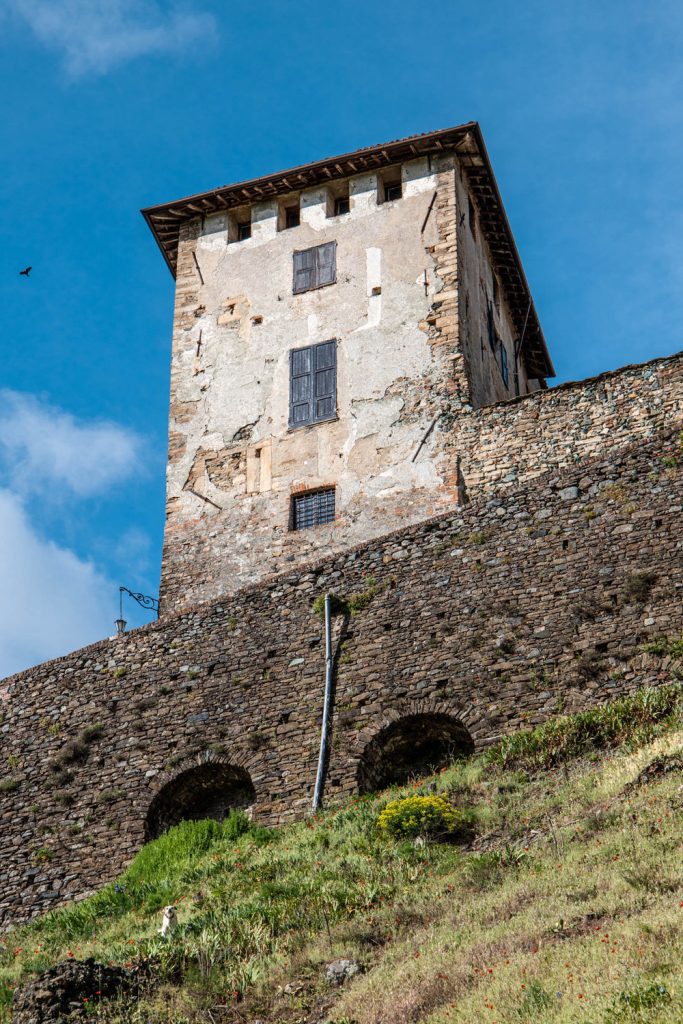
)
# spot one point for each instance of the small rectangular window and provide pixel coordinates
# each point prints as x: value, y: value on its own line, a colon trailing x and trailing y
x: 312, y: 383
x: 314, y: 508
x: 392, y: 190
x: 314, y: 268
x: 243, y: 231
x: 342, y: 204
x: 292, y: 217
x: 504, y: 365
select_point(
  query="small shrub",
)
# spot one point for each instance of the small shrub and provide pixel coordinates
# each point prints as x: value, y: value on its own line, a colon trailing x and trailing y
x: 338, y: 606
x: 535, y: 1001
x: 359, y: 602
x: 664, y: 646
x: 67, y: 797
x: 256, y: 740
x: 419, y: 816
x: 478, y: 538
x: 8, y: 785
x: 43, y: 855
x: 77, y: 748
x: 630, y: 1004
x: 638, y: 586
x: 109, y: 796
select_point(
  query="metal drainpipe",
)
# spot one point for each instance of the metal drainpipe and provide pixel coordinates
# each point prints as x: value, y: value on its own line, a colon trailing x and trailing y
x: 322, y: 757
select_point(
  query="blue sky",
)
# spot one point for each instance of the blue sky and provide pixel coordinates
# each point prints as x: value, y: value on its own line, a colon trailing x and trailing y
x: 112, y: 105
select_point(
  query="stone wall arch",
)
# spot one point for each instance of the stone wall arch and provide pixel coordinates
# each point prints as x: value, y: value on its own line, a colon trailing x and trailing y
x: 411, y: 740
x: 206, y: 785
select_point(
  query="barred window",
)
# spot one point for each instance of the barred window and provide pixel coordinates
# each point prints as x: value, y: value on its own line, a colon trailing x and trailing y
x: 314, y: 508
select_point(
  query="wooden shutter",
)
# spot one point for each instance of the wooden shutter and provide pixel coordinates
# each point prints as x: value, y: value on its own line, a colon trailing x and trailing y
x: 325, y: 380
x: 326, y: 263
x: 300, y: 386
x: 304, y: 271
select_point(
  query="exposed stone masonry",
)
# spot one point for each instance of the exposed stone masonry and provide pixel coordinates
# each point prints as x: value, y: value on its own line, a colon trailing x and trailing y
x: 475, y: 451
x: 496, y: 615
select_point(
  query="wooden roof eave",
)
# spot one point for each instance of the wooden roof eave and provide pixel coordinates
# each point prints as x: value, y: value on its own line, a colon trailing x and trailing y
x: 164, y: 220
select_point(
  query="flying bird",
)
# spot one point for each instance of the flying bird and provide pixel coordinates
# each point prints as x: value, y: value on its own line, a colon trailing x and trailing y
x: 25, y: 272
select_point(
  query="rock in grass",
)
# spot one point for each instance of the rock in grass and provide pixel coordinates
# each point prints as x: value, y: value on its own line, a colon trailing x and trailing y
x: 339, y: 971
x: 67, y: 990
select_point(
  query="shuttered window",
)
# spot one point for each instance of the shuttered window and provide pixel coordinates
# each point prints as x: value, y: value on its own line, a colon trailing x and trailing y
x: 315, y: 267
x: 504, y: 366
x: 312, y: 383
x: 313, y: 509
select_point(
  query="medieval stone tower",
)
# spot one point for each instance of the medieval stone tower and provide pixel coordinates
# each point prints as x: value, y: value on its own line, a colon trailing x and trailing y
x: 330, y: 322
x: 358, y: 406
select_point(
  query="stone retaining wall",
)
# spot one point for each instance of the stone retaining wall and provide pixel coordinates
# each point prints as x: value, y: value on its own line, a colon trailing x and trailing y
x: 492, y: 617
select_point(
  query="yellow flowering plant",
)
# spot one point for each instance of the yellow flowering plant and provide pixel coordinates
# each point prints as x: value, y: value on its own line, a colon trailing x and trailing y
x: 418, y: 816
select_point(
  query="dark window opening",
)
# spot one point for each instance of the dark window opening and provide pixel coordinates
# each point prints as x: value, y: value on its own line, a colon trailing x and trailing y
x: 243, y: 231
x: 292, y: 217
x: 496, y: 294
x: 315, y: 268
x: 491, y: 327
x: 312, y: 383
x: 342, y: 204
x: 392, y: 190
x: 315, y: 508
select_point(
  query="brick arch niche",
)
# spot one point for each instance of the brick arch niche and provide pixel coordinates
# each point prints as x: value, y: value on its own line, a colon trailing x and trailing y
x: 414, y: 745
x: 209, y: 790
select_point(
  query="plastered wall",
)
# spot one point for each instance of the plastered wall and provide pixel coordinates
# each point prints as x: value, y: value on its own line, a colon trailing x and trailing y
x: 497, y: 615
x: 234, y: 462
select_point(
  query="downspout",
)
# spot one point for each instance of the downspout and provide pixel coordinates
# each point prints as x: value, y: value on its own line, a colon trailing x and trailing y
x: 322, y: 757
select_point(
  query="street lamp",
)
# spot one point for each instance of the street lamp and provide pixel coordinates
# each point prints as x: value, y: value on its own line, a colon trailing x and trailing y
x: 145, y: 602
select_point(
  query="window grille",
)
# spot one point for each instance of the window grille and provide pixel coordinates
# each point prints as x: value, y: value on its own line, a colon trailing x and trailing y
x: 392, y: 190
x: 313, y: 509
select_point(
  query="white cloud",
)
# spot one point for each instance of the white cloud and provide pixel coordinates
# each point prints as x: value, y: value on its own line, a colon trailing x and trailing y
x: 50, y: 600
x: 95, y: 36
x: 42, y: 446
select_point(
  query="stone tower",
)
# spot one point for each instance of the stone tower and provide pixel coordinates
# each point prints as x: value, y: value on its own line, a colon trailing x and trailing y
x: 330, y: 323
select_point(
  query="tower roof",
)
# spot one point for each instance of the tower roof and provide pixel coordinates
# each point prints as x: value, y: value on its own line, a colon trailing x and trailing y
x: 467, y: 140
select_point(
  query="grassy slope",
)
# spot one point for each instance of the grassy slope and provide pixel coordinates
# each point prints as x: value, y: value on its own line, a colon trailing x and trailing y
x: 569, y: 907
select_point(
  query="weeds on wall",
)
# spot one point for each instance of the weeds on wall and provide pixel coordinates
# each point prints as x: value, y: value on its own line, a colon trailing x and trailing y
x: 77, y: 749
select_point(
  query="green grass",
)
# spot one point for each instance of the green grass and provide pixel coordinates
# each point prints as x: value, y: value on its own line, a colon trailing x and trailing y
x: 629, y: 720
x: 567, y: 907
